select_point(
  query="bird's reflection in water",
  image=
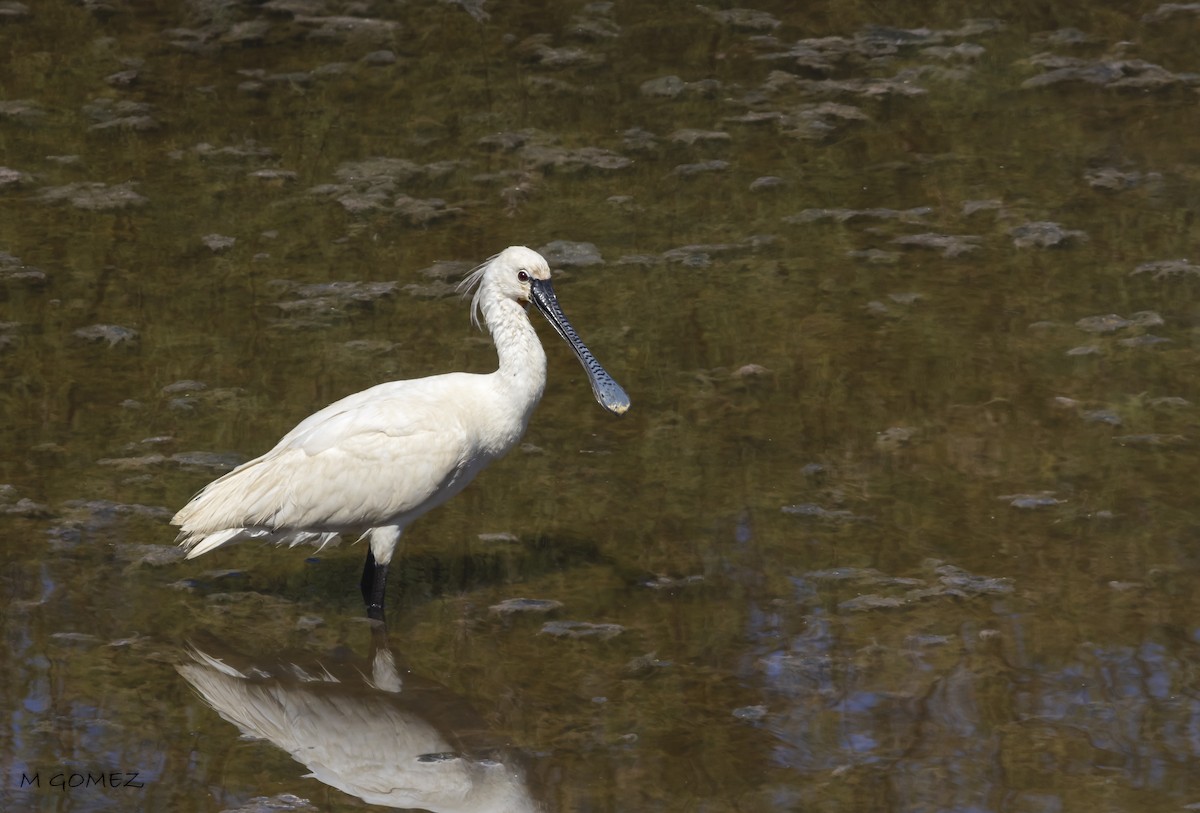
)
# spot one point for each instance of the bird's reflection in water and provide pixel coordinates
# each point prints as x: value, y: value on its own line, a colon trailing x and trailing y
x: 368, y: 729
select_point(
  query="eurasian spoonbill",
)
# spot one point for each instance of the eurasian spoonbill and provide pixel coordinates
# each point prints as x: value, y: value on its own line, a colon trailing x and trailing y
x: 377, y: 731
x: 380, y: 458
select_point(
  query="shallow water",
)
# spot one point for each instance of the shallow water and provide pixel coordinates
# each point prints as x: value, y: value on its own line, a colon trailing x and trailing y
x: 902, y: 517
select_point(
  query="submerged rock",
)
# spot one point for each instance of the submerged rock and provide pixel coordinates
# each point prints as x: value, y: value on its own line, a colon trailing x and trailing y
x: 218, y: 243
x: 323, y: 296
x: 1111, y: 179
x: 13, y: 178
x: 13, y: 10
x: 951, y: 245
x: 1152, y: 439
x: 692, y: 136
x: 817, y: 122
x: 279, y: 803
x: 77, y: 638
x: 970, y: 584
x: 742, y: 19
x: 15, y: 506
x: 672, y: 87
x: 1170, y: 401
x: 133, y: 463
x: 971, y: 207
x: 756, y: 117
x: 1107, y: 323
x: 273, y: 177
x: 594, y: 24
x: 952, y: 582
x: 639, y: 140
x: 107, y: 509
x: 122, y: 79
x: 750, y: 712
x: 1063, y: 36
x: 567, y: 254
x: 150, y: 555
x: 113, y: 334
x: 95, y: 196
x: 1106, y: 416
x: 765, y: 183
x: 375, y: 184
x: 1040, y: 499
x: 895, y: 437
x: 513, y: 606
x: 966, y: 51
x: 23, y: 111
x: 1111, y: 322
x: 121, y: 114
x: 569, y: 56
x: 914, y: 215
x: 1170, y: 11
x: 1128, y: 74
x: 820, y: 56
x: 1165, y: 269
x: 508, y: 141
x: 247, y: 32
x: 700, y: 168
x: 700, y: 255
x: 644, y: 666
x: 665, y: 86
x: 423, y: 211
x: 447, y: 269
x: 671, y: 583
x: 378, y: 171
x: 871, y: 602
x: 1145, y: 340
x: 362, y: 31
x: 208, y: 461
x: 91, y: 521
x: 139, y: 124
x: 876, y: 256
x: 248, y: 150
x: 814, y: 511
x: 12, y: 270
x: 547, y: 157
x: 862, y: 87
x: 751, y: 370
x: 581, y: 629
x: 380, y: 58
x: 1044, y: 234
x: 843, y: 574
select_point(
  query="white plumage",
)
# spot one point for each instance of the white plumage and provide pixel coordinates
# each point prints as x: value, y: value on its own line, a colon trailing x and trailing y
x: 373, y: 737
x: 380, y: 458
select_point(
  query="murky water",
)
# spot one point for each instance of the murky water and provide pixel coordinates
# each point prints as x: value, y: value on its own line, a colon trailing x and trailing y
x: 903, y: 515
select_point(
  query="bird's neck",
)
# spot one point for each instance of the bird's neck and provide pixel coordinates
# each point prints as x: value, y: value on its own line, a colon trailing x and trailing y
x: 522, y: 359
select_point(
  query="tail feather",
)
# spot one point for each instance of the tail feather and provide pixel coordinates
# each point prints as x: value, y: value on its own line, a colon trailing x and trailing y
x: 196, y: 545
x: 200, y: 543
x: 243, y: 504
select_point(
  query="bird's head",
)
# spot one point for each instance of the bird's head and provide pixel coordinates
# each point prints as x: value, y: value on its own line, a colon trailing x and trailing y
x: 521, y: 275
x: 511, y: 274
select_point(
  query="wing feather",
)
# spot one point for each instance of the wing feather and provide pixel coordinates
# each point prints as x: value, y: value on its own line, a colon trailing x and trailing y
x: 369, y: 459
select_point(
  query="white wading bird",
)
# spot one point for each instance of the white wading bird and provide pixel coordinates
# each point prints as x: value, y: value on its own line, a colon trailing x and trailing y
x: 382, y: 457
x: 382, y: 733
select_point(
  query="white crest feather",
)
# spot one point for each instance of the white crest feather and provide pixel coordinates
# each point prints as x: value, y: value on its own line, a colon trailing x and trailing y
x: 472, y: 281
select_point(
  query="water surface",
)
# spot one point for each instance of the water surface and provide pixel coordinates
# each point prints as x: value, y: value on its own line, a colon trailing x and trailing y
x: 902, y: 517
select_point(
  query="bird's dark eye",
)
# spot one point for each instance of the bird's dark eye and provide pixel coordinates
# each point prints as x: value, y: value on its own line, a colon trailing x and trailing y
x: 522, y: 276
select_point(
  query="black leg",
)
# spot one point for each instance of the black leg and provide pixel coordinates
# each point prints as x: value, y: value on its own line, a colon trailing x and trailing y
x: 367, y: 576
x: 373, y: 586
